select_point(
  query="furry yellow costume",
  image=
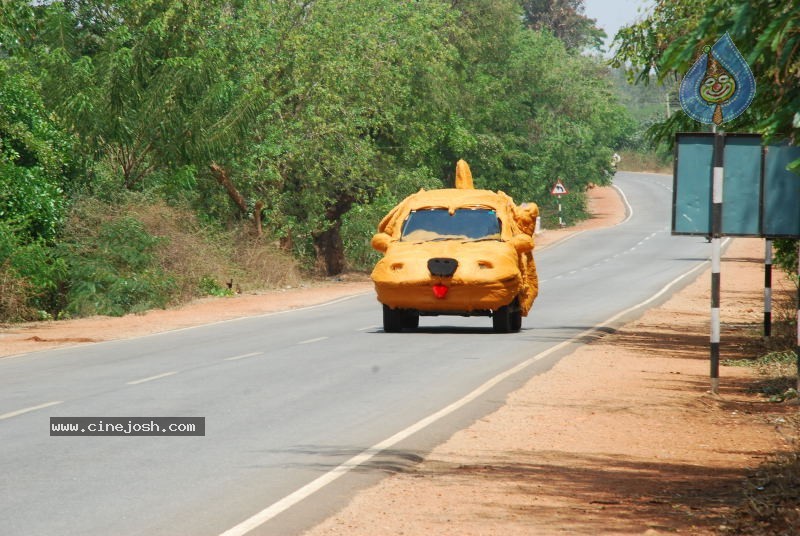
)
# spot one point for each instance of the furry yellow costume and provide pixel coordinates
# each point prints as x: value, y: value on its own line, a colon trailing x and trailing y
x: 456, y: 251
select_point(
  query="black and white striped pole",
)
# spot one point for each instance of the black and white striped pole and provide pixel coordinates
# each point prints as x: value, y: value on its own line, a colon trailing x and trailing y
x: 716, y: 254
x: 767, y: 288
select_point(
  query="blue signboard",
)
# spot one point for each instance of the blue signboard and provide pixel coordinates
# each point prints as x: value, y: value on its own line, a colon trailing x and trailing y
x: 741, y: 194
x: 691, y: 206
x: 760, y: 196
x: 781, y: 193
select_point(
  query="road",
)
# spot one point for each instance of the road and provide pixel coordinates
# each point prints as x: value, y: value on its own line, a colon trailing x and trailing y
x: 288, y: 397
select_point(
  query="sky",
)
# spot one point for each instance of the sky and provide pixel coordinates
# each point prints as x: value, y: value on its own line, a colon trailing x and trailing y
x: 611, y: 15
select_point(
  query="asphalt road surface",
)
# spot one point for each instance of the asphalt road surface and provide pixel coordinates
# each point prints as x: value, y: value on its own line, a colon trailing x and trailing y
x: 290, y: 397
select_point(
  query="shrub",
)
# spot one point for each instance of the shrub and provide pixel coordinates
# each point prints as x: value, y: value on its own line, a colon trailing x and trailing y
x: 32, y: 277
x: 111, y: 264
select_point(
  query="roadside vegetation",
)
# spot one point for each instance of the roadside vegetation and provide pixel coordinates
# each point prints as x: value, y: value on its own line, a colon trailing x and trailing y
x: 660, y: 48
x: 154, y: 151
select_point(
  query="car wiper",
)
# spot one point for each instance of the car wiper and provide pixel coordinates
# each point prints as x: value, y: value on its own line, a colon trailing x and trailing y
x: 483, y: 240
x: 441, y: 238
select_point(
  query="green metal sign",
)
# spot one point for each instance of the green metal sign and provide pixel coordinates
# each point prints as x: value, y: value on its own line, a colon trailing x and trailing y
x: 760, y: 196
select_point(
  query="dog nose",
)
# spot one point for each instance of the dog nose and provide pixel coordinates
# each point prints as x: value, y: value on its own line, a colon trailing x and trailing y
x: 442, y: 266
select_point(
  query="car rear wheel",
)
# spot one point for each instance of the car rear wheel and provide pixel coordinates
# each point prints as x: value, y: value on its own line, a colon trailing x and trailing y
x: 516, y: 321
x: 393, y: 319
x: 501, y: 320
x: 507, y: 319
x: 411, y: 319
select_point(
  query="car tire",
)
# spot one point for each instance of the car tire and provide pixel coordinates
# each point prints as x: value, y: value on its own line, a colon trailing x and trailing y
x: 393, y: 319
x: 411, y: 319
x: 501, y: 320
x: 516, y: 321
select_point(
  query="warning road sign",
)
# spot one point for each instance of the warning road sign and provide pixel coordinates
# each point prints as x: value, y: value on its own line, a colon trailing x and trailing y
x: 559, y: 188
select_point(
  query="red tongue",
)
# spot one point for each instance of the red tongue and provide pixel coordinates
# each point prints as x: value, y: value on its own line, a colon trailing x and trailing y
x: 440, y: 291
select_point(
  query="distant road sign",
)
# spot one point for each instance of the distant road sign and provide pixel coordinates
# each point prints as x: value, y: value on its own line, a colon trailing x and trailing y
x: 559, y: 188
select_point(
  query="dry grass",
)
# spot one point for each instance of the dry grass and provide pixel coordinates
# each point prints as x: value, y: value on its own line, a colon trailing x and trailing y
x: 14, y: 295
x: 648, y: 162
x: 192, y: 252
x: 264, y: 265
x: 772, y: 500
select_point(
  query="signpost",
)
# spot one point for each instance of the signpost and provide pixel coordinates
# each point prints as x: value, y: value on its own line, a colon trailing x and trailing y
x: 761, y: 197
x: 558, y: 190
x: 717, y: 88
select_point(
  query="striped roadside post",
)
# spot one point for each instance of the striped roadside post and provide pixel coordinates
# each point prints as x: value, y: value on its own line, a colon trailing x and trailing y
x: 767, y: 288
x: 716, y: 254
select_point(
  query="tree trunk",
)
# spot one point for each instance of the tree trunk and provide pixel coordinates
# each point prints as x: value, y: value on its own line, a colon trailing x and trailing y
x: 222, y: 177
x: 257, y: 216
x: 328, y: 244
x: 329, y: 248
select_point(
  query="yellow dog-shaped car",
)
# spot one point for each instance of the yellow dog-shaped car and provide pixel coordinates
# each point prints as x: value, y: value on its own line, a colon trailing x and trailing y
x: 456, y: 251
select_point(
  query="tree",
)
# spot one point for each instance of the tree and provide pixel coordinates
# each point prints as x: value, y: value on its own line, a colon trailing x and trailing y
x: 532, y: 111
x: 34, y: 159
x: 566, y: 20
x: 766, y: 33
x: 355, y: 89
x: 146, y: 86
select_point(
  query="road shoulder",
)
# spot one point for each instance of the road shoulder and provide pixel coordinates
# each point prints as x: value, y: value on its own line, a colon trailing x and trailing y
x: 620, y: 437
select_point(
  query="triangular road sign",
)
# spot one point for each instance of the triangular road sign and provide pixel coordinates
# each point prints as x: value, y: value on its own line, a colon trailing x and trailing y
x: 559, y: 188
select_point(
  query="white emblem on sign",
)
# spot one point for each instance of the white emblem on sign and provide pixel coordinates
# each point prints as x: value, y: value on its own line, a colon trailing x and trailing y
x: 559, y: 188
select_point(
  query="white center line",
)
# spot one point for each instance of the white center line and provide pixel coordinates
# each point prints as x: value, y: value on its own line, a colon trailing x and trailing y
x: 309, y: 341
x: 151, y: 378
x: 26, y: 410
x: 234, y: 358
x: 367, y: 328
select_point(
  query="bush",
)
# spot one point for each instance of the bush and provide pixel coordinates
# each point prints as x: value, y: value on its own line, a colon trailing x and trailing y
x: 127, y: 257
x: 358, y: 226
x: 14, y: 294
x: 196, y: 253
x: 112, y: 270
x: 786, y: 255
x: 32, y: 278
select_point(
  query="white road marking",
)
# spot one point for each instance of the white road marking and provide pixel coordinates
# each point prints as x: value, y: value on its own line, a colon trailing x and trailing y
x: 243, y: 356
x: 151, y: 378
x: 32, y: 408
x: 368, y: 328
x: 628, y: 207
x: 320, y: 482
x: 309, y: 341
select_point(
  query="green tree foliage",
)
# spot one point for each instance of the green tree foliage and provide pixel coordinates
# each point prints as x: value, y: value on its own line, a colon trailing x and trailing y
x: 533, y: 111
x: 766, y: 33
x: 34, y: 155
x: 308, y: 109
x: 566, y: 20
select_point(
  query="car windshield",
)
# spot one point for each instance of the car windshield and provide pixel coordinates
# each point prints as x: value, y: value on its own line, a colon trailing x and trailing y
x: 463, y: 224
